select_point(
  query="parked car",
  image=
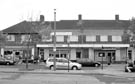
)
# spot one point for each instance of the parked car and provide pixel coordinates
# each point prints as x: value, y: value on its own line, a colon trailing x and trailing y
x: 4, y: 61
x: 88, y: 62
x: 62, y: 63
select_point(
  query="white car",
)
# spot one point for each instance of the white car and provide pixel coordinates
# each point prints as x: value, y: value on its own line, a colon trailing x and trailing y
x: 62, y: 63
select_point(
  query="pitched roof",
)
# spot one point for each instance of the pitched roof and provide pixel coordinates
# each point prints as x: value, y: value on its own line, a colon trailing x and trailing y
x: 93, y: 24
x: 27, y: 27
x: 22, y: 27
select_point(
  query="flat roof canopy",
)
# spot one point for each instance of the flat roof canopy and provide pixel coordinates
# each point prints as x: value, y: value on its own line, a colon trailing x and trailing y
x: 84, y: 45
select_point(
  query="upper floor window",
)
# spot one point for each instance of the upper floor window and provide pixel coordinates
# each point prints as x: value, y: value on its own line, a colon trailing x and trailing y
x: 91, y: 38
x: 103, y: 38
x: 116, y: 38
x: 25, y: 38
x: 73, y: 38
x: 47, y: 38
x: 11, y: 38
x: 59, y: 38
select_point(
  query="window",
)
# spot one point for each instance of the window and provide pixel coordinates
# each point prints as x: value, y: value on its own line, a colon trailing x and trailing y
x: 46, y: 38
x: 73, y: 38
x: 103, y: 38
x: 116, y: 38
x: 91, y: 38
x: 11, y: 38
x: 59, y: 38
x: 130, y: 54
x: 25, y: 38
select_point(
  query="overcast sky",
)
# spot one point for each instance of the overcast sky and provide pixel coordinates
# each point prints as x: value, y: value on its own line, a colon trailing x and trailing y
x: 15, y: 11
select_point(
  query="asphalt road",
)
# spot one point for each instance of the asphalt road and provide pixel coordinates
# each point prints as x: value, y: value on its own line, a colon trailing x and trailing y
x: 25, y: 78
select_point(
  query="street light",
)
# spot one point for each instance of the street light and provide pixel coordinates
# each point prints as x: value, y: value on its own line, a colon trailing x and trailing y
x: 54, y: 48
x: 68, y: 41
x: 102, y: 57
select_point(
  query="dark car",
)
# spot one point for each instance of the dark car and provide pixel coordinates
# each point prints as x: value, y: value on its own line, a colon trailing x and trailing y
x: 90, y: 63
x: 6, y: 62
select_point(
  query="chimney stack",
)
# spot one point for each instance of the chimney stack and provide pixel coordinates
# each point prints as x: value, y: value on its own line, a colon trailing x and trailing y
x: 79, y: 17
x: 41, y: 18
x: 117, y: 17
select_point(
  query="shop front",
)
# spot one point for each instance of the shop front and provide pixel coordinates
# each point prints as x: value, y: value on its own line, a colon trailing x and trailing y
x: 112, y: 53
x: 17, y: 51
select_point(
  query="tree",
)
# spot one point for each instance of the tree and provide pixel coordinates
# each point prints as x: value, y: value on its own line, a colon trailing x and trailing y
x: 129, y: 34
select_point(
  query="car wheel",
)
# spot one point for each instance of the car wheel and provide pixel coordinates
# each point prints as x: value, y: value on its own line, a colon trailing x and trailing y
x: 52, y: 67
x: 74, y: 68
x: 96, y: 65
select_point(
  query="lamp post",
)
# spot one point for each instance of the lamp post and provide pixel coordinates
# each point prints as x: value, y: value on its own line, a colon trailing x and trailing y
x: 102, y: 57
x: 68, y: 41
x: 54, y: 48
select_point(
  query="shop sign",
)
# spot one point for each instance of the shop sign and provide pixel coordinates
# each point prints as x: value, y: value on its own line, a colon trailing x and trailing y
x: 18, y: 47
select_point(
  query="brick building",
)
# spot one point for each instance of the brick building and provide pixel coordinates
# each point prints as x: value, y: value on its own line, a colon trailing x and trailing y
x: 83, y: 39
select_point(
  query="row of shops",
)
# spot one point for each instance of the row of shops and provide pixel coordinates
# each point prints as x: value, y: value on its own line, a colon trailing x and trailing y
x: 109, y: 52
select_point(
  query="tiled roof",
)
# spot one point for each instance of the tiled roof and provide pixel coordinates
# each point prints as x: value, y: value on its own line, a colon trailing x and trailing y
x: 27, y: 27
x: 22, y: 27
x: 93, y: 24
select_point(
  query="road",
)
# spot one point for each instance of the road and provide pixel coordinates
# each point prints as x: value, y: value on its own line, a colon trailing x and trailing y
x: 29, y: 78
x: 38, y: 78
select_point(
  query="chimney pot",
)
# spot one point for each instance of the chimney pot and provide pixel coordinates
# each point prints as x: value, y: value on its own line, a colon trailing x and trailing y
x: 117, y: 17
x: 79, y: 17
x: 41, y: 18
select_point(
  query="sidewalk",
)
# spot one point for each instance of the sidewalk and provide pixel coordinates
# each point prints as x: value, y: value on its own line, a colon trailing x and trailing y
x: 114, y: 69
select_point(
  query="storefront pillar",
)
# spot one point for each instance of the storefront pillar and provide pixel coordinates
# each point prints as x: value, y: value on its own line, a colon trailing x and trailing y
x: 91, y: 54
x: 73, y: 54
x: 2, y: 51
x: 46, y: 54
x: 117, y: 55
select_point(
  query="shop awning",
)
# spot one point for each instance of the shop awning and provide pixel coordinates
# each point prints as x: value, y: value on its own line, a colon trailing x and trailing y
x: 84, y: 45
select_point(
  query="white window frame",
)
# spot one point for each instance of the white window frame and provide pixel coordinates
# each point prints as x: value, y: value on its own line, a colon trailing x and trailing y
x: 25, y: 38
x: 116, y: 38
x: 73, y: 38
x: 103, y: 38
x: 90, y: 38
x: 11, y: 38
x: 44, y: 39
x: 59, y: 38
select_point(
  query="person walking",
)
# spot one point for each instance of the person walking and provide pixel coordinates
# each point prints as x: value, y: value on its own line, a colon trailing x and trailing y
x: 129, y: 66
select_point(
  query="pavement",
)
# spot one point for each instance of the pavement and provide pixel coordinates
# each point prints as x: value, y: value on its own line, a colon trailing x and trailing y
x: 113, y: 69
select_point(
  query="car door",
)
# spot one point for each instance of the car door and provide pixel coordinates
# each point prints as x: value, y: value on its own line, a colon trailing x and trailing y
x: 62, y: 64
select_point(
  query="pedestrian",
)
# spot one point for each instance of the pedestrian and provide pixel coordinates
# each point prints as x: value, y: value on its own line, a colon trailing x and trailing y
x: 129, y: 66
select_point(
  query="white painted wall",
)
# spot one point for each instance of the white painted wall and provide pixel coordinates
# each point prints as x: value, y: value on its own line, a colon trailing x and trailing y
x: 118, y: 55
x: 73, y: 54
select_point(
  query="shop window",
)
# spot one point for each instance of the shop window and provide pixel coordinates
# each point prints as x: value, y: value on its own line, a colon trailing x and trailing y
x: 8, y: 52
